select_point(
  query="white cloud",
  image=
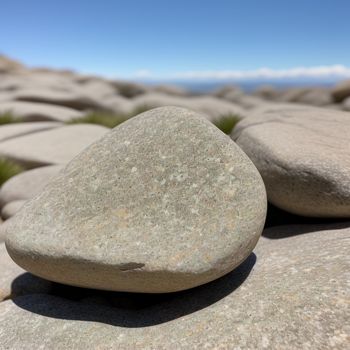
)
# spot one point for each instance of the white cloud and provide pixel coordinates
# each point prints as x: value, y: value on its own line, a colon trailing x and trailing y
x: 143, y: 73
x: 268, y: 73
x: 336, y: 71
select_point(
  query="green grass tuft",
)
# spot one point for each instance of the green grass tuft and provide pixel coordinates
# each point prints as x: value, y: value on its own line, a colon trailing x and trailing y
x: 130, y: 90
x: 110, y: 120
x: 226, y: 123
x: 140, y: 109
x: 8, y: 169
x: 9, y: 118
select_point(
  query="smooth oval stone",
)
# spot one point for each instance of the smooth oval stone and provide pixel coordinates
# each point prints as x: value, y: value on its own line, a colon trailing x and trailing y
x: 162, y: 203
x: 27, y: 184
x: 11, y: 208
x: 303, y: 155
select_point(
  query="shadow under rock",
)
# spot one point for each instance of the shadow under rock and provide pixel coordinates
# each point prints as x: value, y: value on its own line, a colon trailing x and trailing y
x: 133, y: 310
x: 29, y: 284
x: 286, y: 231
x: 278, y: 217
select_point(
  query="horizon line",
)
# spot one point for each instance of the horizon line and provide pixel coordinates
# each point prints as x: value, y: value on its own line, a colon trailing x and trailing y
x: 337, y: 71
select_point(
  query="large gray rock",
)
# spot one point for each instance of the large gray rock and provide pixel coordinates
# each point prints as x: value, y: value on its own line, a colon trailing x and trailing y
x: 14, y: 281
x: 9, y: 131
x: 130, y: 215
x: 30, y: 111
x: 57, y: 146
x: 303, y: 155
x: 295, y: 296
x: 27, y: 184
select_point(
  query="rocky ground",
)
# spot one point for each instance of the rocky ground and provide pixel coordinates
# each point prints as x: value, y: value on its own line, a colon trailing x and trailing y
x: 158, y: 234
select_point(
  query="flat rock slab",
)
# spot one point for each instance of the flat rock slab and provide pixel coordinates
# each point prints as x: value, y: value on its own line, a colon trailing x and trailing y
x: 11, y: 208
x: 26, y: 81
x: 213, y: 107
x: 10, y: 131
x: 119, y: 105
x: 316, y: 97
x: 164, y: 202
x: 294, y: 294
x: 27, y: 184
x: 303, y: 155
x: 71, y: 98
x: 216, y: 108
x: 247, y: 101
x: 30, y: 111
x: 14, y: 281
x: 57, y: 146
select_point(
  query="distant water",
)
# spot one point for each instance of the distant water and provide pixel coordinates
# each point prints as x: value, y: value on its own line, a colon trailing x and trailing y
x: 248, y: 86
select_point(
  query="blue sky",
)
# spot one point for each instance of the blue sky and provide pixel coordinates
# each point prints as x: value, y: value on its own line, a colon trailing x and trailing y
x: 194, y: 39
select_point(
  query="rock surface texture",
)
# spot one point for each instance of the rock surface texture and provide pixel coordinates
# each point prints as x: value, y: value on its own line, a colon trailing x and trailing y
x: 303, y: 155
x: 162, y: 203
x: 292, y: 294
